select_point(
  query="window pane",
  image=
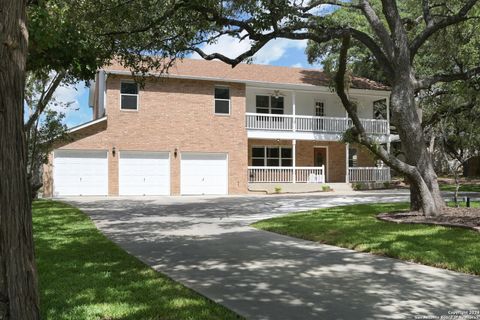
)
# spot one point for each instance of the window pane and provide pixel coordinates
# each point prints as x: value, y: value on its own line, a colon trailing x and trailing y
x: 273, y: 152
x: 262, y: 102
x: 277, y: 111
x: 319, y: 109
x: 287, y: 162
x: 262, y: 110
x: 380, y: 109
x: 129, y: 87
x: 286, y: 152
x: 222, y: 106
x: 352, y: 157
x: 222, y: 93
x: 258, y: 162
x: 277, y: 103
x: 258, y: 152
x: 273, y: 162
x: 129, y: 102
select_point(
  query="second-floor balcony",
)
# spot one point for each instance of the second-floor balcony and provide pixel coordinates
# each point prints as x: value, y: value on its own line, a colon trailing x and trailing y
x: 311, y: 124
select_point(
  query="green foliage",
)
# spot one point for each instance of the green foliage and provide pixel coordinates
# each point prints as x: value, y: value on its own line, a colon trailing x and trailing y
x: 83, y: 275
x: 278, y: 189
x: 356, y: 227
x: 326, y: 188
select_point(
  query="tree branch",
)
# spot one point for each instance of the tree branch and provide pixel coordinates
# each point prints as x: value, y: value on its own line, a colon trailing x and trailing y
x: 432, y: 28
x: 377, y: 27
x: 45, y: 99
x: 426, y: 83
x: 427, y: 17
x: 361, y: 135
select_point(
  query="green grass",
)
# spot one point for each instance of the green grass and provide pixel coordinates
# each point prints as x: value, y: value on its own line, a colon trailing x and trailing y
x: 83, y: 275
x: 468, y: 187
x: 356, y: 227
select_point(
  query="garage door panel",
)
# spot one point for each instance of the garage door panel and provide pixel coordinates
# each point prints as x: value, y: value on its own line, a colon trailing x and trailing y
x: 204, y: 173
x: 78, y: 172
x: 144, y: 173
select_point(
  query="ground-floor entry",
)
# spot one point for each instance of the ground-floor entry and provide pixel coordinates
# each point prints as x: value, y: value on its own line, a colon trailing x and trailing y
x: 80, y: 172
x: 204, y: 173
x: 144, y: 173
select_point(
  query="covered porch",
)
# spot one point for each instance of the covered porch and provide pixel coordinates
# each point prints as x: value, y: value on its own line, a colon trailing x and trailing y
x: 311, y: 162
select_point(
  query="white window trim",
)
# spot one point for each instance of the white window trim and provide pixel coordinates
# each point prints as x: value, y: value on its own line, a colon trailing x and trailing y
x: 129, y: 94
x: 269, y: 103
x: 229, y: 101
x: 280, y: 158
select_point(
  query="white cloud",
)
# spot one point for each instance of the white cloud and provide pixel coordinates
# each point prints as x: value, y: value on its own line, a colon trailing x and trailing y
x: 297, y: 65
x: 272, y: 51
x: 68, y: 94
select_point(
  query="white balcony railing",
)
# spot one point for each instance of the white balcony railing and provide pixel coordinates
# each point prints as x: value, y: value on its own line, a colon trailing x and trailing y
x: 368, y: 174
x: 269, y: 121
x: 282, y: 174
x: 311, y: 124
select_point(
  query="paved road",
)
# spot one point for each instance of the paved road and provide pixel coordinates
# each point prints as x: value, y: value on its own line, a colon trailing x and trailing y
x: 206, y: 244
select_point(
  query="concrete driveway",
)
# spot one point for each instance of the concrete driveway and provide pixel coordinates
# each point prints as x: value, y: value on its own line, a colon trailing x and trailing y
x: 206, y: 244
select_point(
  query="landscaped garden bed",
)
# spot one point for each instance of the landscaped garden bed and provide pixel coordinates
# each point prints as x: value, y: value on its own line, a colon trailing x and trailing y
x: 452, y: 217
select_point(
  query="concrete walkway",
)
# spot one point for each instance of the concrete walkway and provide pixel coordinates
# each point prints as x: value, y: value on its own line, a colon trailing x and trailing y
x: 206, y: 244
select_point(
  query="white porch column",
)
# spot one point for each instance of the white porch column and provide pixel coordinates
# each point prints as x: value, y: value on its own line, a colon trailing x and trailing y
x: 347, y: 146
x: 294, y: 111
x: 294, y: 160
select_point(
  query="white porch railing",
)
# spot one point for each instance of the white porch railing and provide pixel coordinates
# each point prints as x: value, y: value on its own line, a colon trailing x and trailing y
x: 321, y: 124
x: 368, y: 174
x: 283, y: 174
x: 311, y: 124
x: 269, y: 121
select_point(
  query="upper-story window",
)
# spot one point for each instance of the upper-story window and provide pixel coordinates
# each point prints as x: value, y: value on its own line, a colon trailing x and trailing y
x: 319, y: 109
x: 269, y: 104
x: 129, y: 95
x: 222, y: 100
x: 380, y: 109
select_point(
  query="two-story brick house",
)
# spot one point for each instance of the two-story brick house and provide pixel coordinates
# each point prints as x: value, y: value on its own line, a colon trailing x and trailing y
x: 207, y: 128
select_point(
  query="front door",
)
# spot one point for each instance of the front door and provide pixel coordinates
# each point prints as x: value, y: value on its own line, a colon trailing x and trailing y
x: 320, y: 159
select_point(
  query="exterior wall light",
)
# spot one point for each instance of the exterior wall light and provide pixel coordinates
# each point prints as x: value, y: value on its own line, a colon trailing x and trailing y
x: 175, y: 152
x: 113, y: 151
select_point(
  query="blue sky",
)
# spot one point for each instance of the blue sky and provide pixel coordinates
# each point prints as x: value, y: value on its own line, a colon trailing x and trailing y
x: 279, y: 52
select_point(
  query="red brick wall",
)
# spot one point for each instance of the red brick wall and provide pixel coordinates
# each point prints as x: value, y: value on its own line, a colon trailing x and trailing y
x: 172, y: 113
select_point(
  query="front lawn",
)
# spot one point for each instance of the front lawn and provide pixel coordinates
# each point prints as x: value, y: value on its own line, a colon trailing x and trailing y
x: 83, y: 275
x: 356, y: 227
x: 467, y: 187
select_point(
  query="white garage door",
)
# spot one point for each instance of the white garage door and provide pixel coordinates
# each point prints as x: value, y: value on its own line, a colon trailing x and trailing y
x: 79, y: 172
x: 204, y: 173
x: 144, y: 173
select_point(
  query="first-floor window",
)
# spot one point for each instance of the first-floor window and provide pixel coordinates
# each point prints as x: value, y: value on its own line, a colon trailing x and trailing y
x: 352, y: 157
x: 272, y: 156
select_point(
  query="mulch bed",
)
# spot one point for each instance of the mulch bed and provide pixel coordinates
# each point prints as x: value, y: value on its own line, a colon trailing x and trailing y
x: 452, y: 217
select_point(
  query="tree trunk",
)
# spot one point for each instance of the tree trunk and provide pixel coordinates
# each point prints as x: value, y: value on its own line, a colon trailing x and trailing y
x: 424, y: 192
x: 18, y: 282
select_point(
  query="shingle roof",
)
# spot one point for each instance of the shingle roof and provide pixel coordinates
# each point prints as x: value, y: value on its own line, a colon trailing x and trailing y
x: 257, y: 73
